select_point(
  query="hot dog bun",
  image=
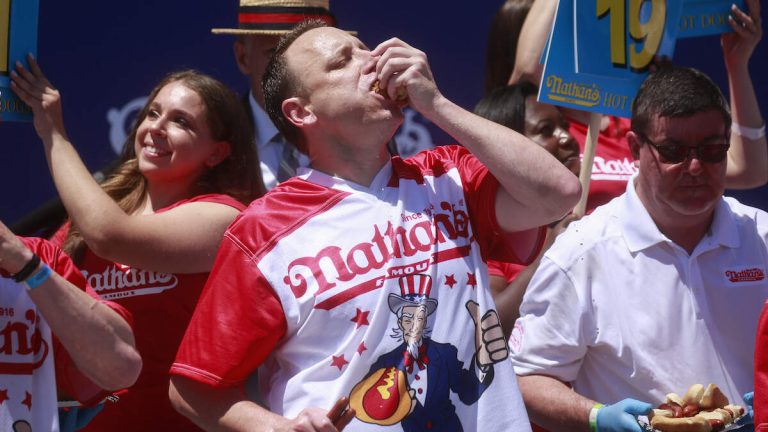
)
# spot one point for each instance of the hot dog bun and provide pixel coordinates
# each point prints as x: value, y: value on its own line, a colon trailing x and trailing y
x: 401, y: 97
x: 681, y: 424
x: 713, y: 398
x: 675, y: 399
x: 694, y: 394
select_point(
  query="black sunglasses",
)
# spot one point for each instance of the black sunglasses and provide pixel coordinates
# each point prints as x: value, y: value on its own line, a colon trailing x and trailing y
x: 676, y: 153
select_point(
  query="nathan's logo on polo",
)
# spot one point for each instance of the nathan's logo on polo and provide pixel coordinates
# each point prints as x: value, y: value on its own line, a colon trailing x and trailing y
x: 22, y: 347
x: 334, y: 264
x: 116, y: 282
x: 572, y: 92
x: 746, y: 275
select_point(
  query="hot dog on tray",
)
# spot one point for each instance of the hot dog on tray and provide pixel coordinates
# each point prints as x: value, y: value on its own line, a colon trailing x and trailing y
x: 700, y: 410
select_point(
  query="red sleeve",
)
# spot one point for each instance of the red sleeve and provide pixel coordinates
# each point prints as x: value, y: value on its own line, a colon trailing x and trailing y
x: 480, y: 187
x: 60, y: 235
x: 237, y: 322
x: 212, y: 198
x: 69, y: 379
x: 508, y: 271
x: 761, y: 372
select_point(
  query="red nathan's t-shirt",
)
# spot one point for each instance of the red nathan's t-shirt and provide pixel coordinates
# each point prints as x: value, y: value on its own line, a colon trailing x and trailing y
x: 162, y: 305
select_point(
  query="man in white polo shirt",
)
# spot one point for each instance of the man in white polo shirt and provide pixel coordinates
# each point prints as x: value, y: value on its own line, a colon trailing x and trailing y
x: 657, y: 290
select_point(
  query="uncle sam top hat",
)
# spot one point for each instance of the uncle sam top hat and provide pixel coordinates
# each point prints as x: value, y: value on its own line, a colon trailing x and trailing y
x: 414, y: 290
x: 277, y: 17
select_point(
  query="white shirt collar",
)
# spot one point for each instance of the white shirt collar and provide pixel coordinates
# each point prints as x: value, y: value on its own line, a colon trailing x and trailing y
x: 641, y: 232
x: 265, y: 129
x: 380, y: 181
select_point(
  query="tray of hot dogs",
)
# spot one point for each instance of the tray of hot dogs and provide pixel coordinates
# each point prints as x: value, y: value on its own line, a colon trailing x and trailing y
x: 702, y: 409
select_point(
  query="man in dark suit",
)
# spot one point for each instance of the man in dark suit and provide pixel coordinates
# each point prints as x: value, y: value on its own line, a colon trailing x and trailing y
x: 260, y: 25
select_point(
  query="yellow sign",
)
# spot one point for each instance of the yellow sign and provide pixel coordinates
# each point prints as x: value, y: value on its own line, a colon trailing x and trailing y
x: 5, y: 21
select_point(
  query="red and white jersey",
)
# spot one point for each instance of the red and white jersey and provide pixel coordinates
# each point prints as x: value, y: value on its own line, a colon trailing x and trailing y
x: 28, y: 383
x: 32, y: 362
x: 308, y: 278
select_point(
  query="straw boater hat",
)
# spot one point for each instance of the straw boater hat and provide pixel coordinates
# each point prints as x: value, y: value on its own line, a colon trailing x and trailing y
x: 277, y: 17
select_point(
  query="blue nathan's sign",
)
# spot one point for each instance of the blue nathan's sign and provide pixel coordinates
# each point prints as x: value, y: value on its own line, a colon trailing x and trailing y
x: 18, y: 37
x: 600, y: 51
x: 705, y: 17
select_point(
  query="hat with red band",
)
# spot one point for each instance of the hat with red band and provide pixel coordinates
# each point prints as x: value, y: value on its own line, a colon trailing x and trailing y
x: 277, y: 17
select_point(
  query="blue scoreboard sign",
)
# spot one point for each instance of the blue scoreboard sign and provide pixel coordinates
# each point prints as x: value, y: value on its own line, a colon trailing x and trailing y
x: 600, y: 50
x: 18, y: 37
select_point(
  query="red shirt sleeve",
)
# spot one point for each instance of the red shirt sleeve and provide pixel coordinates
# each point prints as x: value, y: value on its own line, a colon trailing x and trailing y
x: 69, y: 379
x: 480, y: 188
x: 60, y: 235
x: 508, y: 271
x: 238, y: 320
x: 761, y: 371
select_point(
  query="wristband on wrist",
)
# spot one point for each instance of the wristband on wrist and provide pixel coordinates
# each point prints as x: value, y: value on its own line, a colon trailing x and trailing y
x: 593, y: 417
x: 748, y: 132
x: 39, y: 277
x: 27, y: 270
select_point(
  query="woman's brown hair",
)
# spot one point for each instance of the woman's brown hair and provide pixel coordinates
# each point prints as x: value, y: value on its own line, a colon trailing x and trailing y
x: 239, y: 175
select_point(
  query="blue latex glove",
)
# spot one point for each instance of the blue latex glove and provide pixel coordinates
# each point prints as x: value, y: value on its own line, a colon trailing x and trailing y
x: 622, y: 416
x: 749, y: 419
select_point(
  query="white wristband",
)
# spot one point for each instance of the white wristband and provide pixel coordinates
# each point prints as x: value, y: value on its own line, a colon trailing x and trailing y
x: 748, y: 132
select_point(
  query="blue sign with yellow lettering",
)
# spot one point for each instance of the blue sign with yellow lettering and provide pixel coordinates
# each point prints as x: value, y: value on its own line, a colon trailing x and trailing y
x: 600, y: 50
x: 18, y: 37
x: 605, y: 88
x: 706, y: 17
x: 614, y: 37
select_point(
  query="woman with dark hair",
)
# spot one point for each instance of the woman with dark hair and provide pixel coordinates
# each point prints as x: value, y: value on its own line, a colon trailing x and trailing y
x: 502, y: 42
x: 146, y: 239
x: 515, y: 106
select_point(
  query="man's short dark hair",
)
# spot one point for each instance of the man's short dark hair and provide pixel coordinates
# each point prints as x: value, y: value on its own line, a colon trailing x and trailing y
x: 278, y: 84
x: 676, y: 91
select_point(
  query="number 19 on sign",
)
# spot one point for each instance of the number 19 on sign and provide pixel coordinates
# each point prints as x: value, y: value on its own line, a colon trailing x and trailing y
x: 645, y: 35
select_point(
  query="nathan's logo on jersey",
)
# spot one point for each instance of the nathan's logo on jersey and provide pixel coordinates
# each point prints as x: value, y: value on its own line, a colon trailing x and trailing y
x: 422, y: 231
x: 22, y: 347
x: 118, y: 282
x: 746, y: 275
x: 612, y: 169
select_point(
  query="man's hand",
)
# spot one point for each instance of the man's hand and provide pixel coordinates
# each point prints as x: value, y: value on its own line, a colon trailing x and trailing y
x: 341, y: 413
x: 401, y: 67
x: 317, y: 420
x: 622, y: 416
x: 13, y: 254
x: 489, y: 336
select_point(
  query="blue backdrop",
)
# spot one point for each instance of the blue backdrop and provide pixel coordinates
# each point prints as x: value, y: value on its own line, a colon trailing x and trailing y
x: 103, y: 57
